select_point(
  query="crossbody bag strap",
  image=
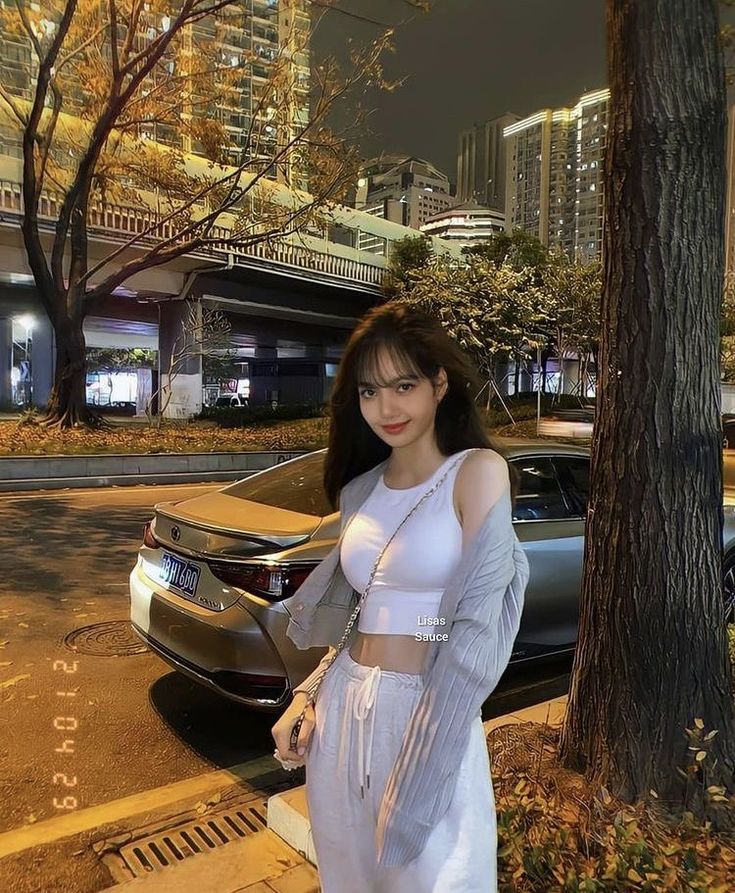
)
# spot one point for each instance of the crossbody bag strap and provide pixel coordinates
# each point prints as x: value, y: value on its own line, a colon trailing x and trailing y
x: 345, y: 636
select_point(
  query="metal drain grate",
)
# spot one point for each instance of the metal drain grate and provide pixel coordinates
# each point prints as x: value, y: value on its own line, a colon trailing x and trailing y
x: 155, y: 848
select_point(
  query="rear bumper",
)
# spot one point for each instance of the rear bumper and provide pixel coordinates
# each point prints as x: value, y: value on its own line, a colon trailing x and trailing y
x: 227, y: 651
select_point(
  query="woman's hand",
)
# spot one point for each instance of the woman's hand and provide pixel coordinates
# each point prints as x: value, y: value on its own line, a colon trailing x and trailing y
x: 281, y: 731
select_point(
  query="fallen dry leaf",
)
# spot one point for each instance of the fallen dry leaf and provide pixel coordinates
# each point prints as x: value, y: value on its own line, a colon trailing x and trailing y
x: 14, y: 681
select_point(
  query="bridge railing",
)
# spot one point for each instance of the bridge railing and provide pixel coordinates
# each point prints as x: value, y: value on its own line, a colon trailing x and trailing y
x: 126, y: 221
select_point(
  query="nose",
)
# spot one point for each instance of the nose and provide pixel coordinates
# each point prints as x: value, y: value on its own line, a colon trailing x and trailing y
x: 389, y: 412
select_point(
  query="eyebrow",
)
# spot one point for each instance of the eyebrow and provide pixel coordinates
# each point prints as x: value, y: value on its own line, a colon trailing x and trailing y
x: 393, y: 381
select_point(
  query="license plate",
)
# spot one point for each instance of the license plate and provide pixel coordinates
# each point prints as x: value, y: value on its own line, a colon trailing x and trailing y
x: 179, y: 573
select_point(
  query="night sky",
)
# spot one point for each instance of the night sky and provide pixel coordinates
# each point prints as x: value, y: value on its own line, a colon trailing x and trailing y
x: 468, y: 61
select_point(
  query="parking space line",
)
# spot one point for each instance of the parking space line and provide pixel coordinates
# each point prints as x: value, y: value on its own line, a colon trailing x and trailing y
x: 68, y: 824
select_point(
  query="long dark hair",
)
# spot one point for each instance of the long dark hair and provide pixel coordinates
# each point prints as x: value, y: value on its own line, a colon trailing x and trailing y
x: 417, y: 343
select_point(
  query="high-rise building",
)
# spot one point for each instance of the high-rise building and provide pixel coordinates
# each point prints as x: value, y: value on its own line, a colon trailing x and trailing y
x: 402, y: 189
x: 481, y: 163
x: 238, y: 49
x: 554, y: 175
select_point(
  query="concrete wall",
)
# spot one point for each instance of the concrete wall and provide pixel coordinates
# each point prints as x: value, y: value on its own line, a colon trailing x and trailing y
x: 55, y: 472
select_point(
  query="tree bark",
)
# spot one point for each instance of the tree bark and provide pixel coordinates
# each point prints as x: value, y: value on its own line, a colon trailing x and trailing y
x: 652, y: 654
x: 67, y: 405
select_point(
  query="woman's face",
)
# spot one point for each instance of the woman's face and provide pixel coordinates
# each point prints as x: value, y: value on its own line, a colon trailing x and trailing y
x: 404, y: 399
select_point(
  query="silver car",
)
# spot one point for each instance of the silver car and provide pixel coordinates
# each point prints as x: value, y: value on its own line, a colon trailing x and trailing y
x: 211, y: 587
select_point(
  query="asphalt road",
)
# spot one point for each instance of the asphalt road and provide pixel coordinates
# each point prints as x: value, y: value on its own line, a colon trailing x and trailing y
x: 98, y: 728
x: 129, y: 723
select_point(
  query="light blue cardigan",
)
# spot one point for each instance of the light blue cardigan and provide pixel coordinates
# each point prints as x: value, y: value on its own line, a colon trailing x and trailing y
x: 485, y: 601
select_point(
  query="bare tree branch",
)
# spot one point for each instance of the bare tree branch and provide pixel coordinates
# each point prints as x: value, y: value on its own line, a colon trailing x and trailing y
x: 132, y: 29
x: 204, y: 332
x: 79, y: 49
x: 74, y: 208
x: 31, y: 185
x: 32, y: 36
x: 46, y: 141
x: 209, y: 220
x: 19, y: 114
x: 114, y: 56
x: 160, y: 255
x: 136, y: 66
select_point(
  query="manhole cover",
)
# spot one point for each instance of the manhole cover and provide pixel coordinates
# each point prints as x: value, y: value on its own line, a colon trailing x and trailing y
x: 115, y: 638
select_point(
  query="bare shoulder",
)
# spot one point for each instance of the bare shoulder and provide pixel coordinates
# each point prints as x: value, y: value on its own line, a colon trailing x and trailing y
x: 481, y: 480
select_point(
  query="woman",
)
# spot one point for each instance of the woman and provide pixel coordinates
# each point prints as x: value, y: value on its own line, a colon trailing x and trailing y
x: 398, y: 778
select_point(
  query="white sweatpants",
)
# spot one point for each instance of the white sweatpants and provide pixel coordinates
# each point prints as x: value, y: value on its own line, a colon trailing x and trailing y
x: 361, y: 715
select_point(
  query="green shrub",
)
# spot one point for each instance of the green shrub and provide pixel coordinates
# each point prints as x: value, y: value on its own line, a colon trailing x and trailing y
x: 523, y: 408
x: 244, y: 416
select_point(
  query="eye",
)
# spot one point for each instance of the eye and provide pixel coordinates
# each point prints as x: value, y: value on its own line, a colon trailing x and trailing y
x: 363, y: 391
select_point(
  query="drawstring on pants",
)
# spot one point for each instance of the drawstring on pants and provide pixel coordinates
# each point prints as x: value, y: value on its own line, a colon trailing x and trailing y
x: 364, y: 700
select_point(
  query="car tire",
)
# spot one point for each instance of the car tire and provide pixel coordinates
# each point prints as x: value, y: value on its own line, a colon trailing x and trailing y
x: 728, y: 587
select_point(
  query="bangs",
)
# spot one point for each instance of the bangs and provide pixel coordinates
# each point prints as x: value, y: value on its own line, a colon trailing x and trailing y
x: 370, y: 373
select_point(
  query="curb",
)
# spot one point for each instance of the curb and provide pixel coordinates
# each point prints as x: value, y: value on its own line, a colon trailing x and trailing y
x: 288, y: 814
x: 23, y: 473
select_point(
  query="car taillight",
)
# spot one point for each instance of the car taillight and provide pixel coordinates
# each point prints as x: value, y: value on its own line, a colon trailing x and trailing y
x: 148, y: 538
x: 275, y: 582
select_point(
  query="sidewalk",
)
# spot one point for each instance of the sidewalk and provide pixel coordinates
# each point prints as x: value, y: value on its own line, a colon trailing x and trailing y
x: 281, y: 858
x: 260, y: 863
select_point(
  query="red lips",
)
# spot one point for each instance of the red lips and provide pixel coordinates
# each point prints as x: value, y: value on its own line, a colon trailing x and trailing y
x: 394, y: 429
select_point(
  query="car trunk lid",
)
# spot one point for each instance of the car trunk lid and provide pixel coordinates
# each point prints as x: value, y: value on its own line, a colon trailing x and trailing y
x: 219, y: 525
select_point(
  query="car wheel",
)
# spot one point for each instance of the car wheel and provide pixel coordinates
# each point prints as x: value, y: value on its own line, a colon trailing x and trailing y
x: 728, y: 588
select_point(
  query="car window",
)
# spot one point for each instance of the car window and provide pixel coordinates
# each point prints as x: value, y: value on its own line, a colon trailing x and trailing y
x: 296, y: 486
x: 539, y: 495
x: 574, y: 477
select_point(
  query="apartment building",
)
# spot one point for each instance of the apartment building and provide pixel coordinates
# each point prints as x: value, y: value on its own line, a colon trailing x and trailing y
x: 239, y: 47
x: 554, y: 175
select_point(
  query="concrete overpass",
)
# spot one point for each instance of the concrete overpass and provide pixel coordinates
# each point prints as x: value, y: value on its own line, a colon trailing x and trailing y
x: 300, y: 298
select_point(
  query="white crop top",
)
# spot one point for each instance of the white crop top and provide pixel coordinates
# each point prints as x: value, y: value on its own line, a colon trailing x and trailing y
x: 418, y: 564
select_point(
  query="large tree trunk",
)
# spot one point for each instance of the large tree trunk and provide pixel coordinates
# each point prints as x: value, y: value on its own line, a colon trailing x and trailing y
x: 67, y: 405
x: 652, y: 652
